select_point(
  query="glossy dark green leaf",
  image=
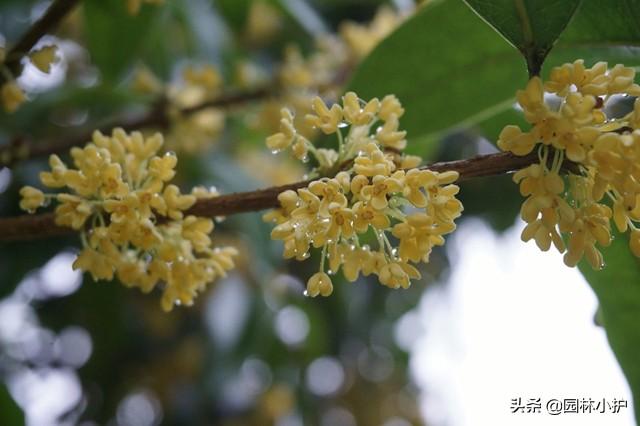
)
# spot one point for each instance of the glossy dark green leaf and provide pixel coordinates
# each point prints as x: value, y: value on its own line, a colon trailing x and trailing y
x: 115, y: 38
x: 532, y: 26
x: 617, y: 287
x: 452, y: 71
x: 447, y: 67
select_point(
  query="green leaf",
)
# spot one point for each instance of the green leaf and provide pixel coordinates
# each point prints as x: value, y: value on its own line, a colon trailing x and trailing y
x: 447, y: 67
x: 115, y: 38
x: 531, y: 26
x: 602, y: 30
x: 235, y: 12
x: 10, y: 413
x: 617, y: 287
x: 452, y: 71
x: 615, y: 21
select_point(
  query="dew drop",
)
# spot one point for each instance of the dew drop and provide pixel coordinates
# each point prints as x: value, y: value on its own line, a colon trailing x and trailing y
x: 394, y: 252
x: 305, y: 159
x: 331, y: 272
x: 366, y: 247
x: 305, y: 256
x: 220, y: 219
x: 306, y: 293
x: 342, y: 125
x: 178, y: 302
x: 275, y: 151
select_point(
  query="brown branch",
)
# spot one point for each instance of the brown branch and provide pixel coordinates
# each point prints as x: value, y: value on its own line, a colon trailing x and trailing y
x: 51, y: 18
x: 30, y: 227
x: 156, y: 117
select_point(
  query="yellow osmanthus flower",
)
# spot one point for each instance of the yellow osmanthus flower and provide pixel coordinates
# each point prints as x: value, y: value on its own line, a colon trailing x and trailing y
x: 194, y: 131
x: 131, y: 220
x: 263, y: 23
x: 44, y: 57
x: 361, y: 39
x: 605, y: 151
x: 323, y: 72
x: 371, y: 184
x: 12, y: 96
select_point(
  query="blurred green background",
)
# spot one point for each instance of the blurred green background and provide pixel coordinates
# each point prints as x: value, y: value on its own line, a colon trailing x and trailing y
x: 253, y: 350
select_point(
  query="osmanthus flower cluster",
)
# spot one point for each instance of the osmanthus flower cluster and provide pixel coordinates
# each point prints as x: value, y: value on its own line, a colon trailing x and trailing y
x: 323, y: 71
x: 377, y: 195
x: 195, y: 131
x: 131, y: 219
x: 11, y: 95
x: 603, y: 183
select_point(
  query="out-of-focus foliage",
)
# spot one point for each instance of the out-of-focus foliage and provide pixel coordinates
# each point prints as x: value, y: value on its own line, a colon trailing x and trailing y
x: 253, y: 350
x: 619, y: 295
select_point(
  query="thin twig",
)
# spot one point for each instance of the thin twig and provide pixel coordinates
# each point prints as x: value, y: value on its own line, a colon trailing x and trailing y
x: 30, y: 227
x: 156, y: 117
x: 51, y: 18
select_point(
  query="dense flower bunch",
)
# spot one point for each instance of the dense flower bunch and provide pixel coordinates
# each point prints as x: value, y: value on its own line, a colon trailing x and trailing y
x: 11, y: 94
x: 365, y: 199
x: 323, y: 71
x: 131, y: 219
x: 191, y: 131
x: 605, y: 152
